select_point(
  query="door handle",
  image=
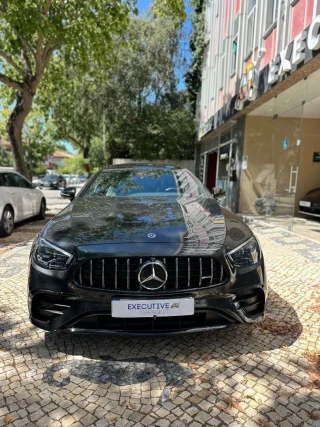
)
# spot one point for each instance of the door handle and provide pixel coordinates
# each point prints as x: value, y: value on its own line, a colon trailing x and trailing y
x: 12, y: 192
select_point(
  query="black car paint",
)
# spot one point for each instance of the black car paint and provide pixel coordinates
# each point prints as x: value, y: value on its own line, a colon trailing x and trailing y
x: 119, y: 228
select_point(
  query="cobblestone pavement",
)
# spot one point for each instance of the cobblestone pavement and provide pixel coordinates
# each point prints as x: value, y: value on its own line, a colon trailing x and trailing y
x: 263, y: 375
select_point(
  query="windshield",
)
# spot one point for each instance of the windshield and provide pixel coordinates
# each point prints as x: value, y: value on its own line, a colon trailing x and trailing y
x: 146, y: 182
x: 134, y: 183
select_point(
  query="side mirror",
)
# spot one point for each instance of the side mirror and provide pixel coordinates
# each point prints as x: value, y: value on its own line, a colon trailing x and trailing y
x: 34, y: 185
x: 219, y: 194
x: 68, y: 193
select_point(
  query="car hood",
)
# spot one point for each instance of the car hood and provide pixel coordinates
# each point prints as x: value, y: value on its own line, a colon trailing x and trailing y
x: 96, y: 221
x: 187, y: 227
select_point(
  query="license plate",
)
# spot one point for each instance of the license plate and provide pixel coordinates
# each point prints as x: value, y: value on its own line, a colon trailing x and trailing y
x: 305, y: 204
x: 126, y: 308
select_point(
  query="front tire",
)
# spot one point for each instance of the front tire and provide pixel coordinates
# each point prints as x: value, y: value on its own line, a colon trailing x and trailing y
x: 42, y: 213
x: 7, y: 222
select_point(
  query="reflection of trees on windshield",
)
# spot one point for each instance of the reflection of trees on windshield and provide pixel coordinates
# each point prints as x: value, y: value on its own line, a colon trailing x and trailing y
x: 122, y: 183
x: 100, y: 220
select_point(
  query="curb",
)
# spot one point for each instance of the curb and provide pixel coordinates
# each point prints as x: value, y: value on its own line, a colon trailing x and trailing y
x: 15, y: 250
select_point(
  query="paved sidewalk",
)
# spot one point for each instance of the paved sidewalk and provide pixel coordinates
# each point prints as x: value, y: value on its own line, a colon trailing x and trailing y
x: 264, y: 375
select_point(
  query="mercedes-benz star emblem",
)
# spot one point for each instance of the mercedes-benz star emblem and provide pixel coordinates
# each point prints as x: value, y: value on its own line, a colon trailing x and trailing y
x: 152, y: 235
x: 152, y: 275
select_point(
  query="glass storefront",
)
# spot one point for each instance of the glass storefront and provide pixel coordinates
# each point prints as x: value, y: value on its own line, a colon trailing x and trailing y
x: 280, y: 138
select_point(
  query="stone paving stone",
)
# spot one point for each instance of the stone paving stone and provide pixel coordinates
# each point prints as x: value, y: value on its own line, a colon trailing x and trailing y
x: 266, y: 369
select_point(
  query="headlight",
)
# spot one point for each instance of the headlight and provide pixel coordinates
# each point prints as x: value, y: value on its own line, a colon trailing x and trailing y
x: 247, y: 254
x: 50, y: 256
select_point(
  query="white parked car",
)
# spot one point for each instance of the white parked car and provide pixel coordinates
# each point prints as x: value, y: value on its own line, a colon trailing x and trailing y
x: 19, y: 200
x: 74, y: 179
x: 67, y: 178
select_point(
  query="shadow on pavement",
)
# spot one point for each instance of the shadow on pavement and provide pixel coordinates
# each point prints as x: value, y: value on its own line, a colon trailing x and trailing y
x: 280, y: 328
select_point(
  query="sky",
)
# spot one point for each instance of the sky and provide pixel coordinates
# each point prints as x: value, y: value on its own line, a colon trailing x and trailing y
x: 143, y: 6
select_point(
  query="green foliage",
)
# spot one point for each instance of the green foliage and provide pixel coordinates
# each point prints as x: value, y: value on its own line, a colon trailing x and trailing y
x: 6, y: 158
x: 97, y: 154
x: 37, y: 141
x: 76, y: 108
x: 145, y: 114
x: 173, y: 9
x: 197, y: 46
x: 134, y: 105
x: 83, y: 29
x: 73, y: 166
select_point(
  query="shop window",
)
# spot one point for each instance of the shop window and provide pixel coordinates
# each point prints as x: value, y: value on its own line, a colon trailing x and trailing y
x: 271, y: 12
x: 250, y: 26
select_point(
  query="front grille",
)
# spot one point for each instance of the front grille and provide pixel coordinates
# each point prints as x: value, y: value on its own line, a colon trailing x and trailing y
x: 315, y: 209
x: 122, y: 273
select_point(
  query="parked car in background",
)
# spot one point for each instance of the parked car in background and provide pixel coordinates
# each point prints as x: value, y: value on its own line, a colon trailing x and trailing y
x: 19, y: 200
x: 82, y: 179
x: 310, y: 203
x: 67, y: 178
x: 36, y: 179
x: 53, y: 181
x: 74, y: 179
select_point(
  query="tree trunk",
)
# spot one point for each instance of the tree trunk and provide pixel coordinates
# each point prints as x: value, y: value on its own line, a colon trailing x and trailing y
x: 15, y: 124
x: 86, y: 152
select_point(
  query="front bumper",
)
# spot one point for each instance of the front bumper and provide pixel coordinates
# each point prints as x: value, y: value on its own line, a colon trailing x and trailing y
x: 55, y: 303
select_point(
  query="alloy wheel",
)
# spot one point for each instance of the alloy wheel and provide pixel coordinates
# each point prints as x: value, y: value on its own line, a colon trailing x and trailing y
x: 8, y: 221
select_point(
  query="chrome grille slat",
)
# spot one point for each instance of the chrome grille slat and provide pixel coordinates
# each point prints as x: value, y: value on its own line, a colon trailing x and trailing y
x: 91, y: 281
x: 121, y: 274
x: 200, y: 264
x: 103, y: 283
x: 128, y: 274
x: 177, y: 273
x: 116, y: 273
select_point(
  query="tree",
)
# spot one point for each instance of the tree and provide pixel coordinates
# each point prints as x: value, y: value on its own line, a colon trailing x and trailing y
x: 77, y: 108
x: 145, y: 114
x: 197, y: 45
x: 73, y: 165
x: 34, y: 31
x: 173, y: 9
x: 6, y: 158
x: 38, y: 141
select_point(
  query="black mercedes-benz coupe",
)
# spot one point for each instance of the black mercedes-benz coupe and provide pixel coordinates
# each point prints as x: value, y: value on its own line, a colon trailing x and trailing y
x: 145, y: 249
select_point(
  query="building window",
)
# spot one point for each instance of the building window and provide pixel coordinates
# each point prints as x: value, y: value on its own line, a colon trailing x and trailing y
x: 250, y: 26
x: 235, y: 45
x: 223, y: 64
x: 271, y: 12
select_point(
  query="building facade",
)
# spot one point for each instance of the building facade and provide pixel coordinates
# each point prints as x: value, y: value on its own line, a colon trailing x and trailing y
x: 259, y: 105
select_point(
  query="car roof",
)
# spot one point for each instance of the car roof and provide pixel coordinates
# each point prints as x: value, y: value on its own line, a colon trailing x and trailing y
x: 141, y: 166
x: 6, y: 169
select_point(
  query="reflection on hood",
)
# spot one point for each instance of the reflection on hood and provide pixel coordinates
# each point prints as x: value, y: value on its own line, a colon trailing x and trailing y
x: 120, y: 220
